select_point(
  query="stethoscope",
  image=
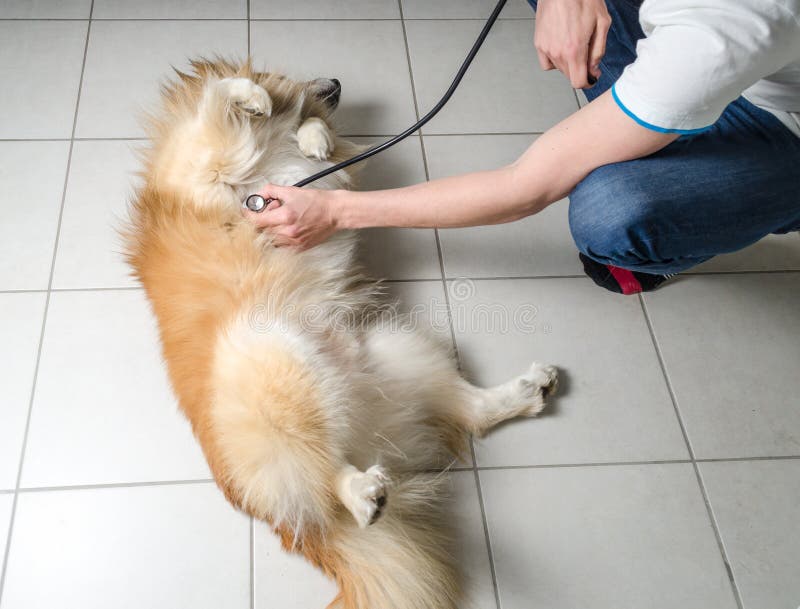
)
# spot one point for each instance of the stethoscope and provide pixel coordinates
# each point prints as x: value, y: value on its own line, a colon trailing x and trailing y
x: 257, y: 203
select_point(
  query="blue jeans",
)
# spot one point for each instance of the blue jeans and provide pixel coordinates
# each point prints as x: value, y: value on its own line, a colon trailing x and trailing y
x: 705, y: 194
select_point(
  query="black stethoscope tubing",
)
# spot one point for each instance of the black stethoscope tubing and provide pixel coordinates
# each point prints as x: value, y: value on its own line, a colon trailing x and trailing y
x: 257, y: 203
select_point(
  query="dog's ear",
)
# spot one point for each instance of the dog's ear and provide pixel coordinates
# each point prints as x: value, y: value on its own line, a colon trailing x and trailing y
x: 327, y: 90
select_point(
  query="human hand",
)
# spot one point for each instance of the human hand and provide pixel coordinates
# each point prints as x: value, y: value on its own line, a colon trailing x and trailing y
x: 298, y: 217
x: 571, y: 37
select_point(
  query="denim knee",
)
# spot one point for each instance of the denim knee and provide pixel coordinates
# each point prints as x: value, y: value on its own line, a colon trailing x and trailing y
x: 620, y: 215
x: 612, y: 220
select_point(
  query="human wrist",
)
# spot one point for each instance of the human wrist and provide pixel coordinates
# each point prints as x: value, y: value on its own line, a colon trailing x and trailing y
x: 341, y: 210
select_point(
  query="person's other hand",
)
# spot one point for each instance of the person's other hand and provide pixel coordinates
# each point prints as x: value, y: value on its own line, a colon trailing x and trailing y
x: 298, y: 217
x: 571, y: 37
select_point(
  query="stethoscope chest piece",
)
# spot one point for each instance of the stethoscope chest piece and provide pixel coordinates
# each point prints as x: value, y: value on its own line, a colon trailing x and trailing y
x: 257, y: 203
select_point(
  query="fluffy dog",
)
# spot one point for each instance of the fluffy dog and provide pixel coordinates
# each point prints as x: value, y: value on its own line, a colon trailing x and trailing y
x: 325, y: 430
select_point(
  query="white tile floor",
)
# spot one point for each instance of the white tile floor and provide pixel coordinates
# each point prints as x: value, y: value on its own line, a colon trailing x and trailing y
x: 666, y: 476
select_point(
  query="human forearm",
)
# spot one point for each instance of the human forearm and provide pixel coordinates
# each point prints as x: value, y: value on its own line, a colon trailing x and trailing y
x: 486, y: 197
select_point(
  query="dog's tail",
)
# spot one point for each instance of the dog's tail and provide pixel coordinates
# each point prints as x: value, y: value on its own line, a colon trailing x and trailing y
x: 404, y: 560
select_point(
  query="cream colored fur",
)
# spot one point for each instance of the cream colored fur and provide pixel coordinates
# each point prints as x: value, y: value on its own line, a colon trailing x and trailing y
x: 322, y: 431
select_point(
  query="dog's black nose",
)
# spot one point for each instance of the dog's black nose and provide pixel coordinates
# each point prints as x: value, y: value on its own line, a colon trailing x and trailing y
x: 333, y: 93
x: 328, y: 90
x: 337, y: 89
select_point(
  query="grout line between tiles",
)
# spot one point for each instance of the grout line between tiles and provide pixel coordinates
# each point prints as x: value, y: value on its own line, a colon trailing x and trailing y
x: 426, y: 280
x: 109, y: 485
x: 75, y: 139
x: 448, y: 308
x: 35, y: 139
x: 741, y: 459
x: 116, y: 289
x: 570, y: 465
x: 346, y: 135
x: 407, y: 280
x: 709, y: 511
x: 487, y: 537
x: 507, y: 277
x: 411, y: 76
x: 443, y: 279
x: 384, y: 135
x: 248, y: 30
x: 743, y: 272
x: 664, y: 373
x: 472, y: 133
x: 44, y: 313
x: 112, y: 139
x: 457, y: 468
x: 252, y: 557
x: 583, y: 276
x: 404, y: 280
x: 723, y: 553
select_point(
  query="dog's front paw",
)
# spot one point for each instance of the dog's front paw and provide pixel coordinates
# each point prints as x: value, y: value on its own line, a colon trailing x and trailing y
x: 314, y: 139
x: 538, y: 383
x: 368, y: 494
x: 247, y: 96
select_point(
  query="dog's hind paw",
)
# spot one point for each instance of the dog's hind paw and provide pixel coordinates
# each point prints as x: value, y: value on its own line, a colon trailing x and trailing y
x: 247, y: 96
x: 367, y: 495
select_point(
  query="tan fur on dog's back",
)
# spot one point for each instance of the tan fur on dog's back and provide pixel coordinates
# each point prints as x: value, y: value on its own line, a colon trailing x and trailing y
x: 290, y: 416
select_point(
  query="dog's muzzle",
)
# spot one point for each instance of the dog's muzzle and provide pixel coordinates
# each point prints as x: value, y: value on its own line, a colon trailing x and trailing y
x: 328, y: 90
